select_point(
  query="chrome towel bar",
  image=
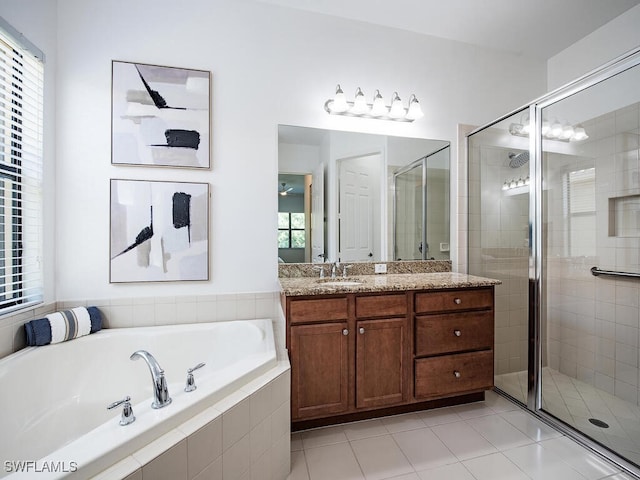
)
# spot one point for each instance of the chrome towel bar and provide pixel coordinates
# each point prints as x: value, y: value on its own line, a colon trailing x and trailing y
x: 596, y: 272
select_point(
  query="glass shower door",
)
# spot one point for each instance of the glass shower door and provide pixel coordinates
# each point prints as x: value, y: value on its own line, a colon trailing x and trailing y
x: 590, y: 218
x: 409, y: 213
x: 499, y: 242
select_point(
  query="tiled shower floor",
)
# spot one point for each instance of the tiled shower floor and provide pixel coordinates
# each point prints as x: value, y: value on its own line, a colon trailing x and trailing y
x: 575, y: 402
x: 490, y: 440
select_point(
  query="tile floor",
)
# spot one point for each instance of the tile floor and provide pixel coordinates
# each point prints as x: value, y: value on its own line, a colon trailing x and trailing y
x: 490, y: 440
x: 575, y: 402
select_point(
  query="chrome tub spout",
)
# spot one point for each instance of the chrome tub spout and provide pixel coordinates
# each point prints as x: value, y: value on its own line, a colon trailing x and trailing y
x: 161, y: 396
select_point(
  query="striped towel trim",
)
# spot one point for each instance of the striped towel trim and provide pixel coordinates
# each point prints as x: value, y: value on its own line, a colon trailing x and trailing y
x: 69, y: 324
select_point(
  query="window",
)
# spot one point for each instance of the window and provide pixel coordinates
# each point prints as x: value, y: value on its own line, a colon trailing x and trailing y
x: 291, y: 230
x: 21, y: 114
x: 581, y: 206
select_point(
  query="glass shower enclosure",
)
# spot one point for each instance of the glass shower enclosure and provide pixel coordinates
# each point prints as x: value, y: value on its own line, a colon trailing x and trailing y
x: 554, y: 213
x: 421, y: 208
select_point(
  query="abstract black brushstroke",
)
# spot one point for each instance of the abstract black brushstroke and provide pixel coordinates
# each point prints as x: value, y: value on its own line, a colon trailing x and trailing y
x: 158, y: 99
x: 181, y: 138
x: 182, y: 212
x: 145, y: 234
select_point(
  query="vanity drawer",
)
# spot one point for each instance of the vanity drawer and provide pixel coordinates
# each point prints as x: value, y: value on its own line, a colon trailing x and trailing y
x: 454, y: 332
x: 453, y: 374
x: 381, y: 305
x: 453, y: 300
x: 318, y: 310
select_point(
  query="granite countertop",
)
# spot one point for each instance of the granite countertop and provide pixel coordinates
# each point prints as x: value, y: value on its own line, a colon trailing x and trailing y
x: 382, y: 283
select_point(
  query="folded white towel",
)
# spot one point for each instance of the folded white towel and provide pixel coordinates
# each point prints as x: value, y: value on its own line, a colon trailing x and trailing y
x: 69, y: 324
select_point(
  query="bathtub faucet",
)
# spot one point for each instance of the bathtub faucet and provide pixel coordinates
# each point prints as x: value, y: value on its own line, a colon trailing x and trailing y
x: 161, y: 396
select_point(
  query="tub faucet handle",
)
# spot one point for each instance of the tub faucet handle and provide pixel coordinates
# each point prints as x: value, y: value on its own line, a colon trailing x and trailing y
x: 191, y: 383
x: 127, y: 416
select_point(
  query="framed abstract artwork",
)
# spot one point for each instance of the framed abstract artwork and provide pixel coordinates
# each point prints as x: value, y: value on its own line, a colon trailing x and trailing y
x: 160, y: 116
x: 159, y: 231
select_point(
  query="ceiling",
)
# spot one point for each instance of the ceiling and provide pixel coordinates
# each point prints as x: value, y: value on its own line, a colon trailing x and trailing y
x: 533, y: 28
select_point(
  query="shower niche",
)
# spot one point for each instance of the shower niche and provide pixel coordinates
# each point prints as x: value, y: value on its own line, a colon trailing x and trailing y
x: 624, y: 216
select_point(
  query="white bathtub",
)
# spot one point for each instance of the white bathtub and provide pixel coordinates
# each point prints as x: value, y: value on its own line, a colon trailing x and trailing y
x: 53, y: 399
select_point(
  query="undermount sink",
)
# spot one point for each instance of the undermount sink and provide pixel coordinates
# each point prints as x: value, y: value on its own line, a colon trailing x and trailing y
x: 336, y: 282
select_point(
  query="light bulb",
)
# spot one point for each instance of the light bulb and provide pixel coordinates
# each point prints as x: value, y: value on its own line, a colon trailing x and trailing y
x: 339, y: 103
x: 397, y: 110
x: 379, y: 108
x: 360, y: 104
x: 415, y: 111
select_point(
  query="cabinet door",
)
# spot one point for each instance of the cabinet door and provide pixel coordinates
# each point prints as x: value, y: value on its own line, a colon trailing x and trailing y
x: 319, y: 370
x: 382, y: 361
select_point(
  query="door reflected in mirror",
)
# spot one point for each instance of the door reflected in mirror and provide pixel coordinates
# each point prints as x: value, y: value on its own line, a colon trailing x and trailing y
x: 344, y: 196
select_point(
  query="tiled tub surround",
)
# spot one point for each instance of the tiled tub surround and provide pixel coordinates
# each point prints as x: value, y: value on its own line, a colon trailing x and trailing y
x: 153, y: 311
x: 245, y: 436
x: 220, y: 432
x: 237, y: 354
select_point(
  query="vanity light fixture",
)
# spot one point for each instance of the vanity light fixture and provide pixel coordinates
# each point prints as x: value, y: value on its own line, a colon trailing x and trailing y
x: 338, y: 105
x: 554, y: 130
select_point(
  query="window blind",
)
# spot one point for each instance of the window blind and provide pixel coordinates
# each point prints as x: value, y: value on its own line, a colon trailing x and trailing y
x: 21, y: 148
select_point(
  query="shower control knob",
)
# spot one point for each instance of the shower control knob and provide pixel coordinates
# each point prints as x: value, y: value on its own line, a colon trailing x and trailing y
x: 457, y: 301
x: 457, y: 333
x: 345, y: 332
x: 456, y: 374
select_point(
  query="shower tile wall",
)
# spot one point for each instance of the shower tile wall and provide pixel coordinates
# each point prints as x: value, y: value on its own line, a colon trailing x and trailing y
x: 498, y: 248
x: 593, y: 323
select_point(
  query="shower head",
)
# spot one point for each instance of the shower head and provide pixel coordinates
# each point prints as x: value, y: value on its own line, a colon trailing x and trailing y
x: 518, y: 159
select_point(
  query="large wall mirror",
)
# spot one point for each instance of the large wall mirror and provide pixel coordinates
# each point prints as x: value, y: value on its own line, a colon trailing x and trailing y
x: 351, y: 197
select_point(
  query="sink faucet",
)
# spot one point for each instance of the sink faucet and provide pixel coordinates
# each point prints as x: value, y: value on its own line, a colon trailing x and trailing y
x: 161, y: 396
x: 334, y: 269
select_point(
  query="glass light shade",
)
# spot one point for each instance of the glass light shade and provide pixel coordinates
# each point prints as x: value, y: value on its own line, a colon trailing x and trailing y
x: 339, y: 103
x: 360, y: 104
x: 397, y: 110
x: 579, y: 134
x: 545, y: 128
x: 567, y: 132
x: 414, y: 111
x: 556, y: 130
x: 526, y: 126
x: 379, y: 108
x: 505, y: 185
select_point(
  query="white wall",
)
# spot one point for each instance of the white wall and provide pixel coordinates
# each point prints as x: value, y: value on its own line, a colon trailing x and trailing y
x: 270, y: 65
x: 617, y: 37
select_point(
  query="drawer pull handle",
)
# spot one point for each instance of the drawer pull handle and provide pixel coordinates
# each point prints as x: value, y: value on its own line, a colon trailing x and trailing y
x: 345, y: 332
x: 456, y: 374
x: 457, y: 301
x: 457, y: 333
x: 361, y: 330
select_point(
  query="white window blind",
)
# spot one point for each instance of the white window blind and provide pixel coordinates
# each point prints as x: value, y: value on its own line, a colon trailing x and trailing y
x: 21, y: 118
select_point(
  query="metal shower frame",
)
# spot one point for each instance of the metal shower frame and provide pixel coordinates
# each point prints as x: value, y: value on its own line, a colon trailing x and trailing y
x: 624, y: 62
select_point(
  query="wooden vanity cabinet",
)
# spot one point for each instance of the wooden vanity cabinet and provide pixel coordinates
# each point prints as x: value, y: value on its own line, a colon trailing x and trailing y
x: 382, y: 350
x: 347, y: 353
x: 357, y: 353
x: 454, y: 332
